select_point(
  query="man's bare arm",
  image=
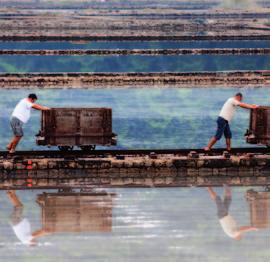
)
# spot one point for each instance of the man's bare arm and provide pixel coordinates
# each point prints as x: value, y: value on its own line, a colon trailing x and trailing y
x: 245, y: 229
x: 40, y: 233
x: 248, y: 106
x: 40, y: 107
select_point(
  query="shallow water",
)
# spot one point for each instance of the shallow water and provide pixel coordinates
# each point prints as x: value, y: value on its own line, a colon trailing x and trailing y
x: 133, y: 44
x: 176, y: 224
x: 141, y: 225
x: 133, y: 63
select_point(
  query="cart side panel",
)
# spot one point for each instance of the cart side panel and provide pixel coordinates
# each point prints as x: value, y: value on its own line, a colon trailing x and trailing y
x: 259, y: 126
x: 95, y: 122
x: 77, y: 126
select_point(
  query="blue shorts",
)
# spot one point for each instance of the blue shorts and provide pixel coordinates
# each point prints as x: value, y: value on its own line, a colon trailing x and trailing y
x: 223, y: 127
x: 223, y: 206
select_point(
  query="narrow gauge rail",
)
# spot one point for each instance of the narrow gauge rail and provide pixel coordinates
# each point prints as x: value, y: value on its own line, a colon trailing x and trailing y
x: 150, y: 52
x: 131, y: 152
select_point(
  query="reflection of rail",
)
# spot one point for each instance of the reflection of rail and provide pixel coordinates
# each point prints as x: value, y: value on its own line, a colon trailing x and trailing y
x: 131, y: 152
x: 110, y: 52
x: 162, y: 79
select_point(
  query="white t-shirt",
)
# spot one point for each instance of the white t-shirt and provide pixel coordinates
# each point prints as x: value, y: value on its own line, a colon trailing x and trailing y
x: 23, y: 231
x: 229, y: 108
x: 22, y: 111
x: 229, y: 226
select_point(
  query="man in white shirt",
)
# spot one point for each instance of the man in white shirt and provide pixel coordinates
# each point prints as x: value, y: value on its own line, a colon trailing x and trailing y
x: 225, y: 116
x: 226, y: 221
x: 20, y: 116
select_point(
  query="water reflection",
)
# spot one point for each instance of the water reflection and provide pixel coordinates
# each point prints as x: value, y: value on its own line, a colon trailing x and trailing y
x: 69, y: 212
x: 135, y: 224
x: 227, y: 222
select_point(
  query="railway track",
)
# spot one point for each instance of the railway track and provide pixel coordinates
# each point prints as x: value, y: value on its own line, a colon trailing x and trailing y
x: 148, y: 52
x: 144, y: 80
x: 129, y: 152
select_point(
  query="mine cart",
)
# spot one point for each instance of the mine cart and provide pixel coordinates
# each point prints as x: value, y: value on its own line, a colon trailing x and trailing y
x: 76, y: 212
x: 259, y: 203
x: 259, y: 126
x: 83, y: 127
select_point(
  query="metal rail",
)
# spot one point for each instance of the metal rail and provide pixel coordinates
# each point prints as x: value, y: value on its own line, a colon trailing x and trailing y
x: 150, y: 52
x: 130, y: 152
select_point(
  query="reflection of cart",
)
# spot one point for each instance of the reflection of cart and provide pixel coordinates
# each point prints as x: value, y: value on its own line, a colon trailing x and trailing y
x: 76, y: 212
x: 259, y: 203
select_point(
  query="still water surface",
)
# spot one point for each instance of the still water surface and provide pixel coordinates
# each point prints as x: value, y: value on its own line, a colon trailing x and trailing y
x: 178, y: 224
x: 133, y: 63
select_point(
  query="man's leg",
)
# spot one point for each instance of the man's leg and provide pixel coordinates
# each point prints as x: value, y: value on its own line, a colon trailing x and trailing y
x: 14, y: 143
x: 17, y: 128
x: 228, y: 144
x: 220, y: 130
x: 9, y: 145
x: 16, y: 215
x: 221, y: 209
x: 212, y: 193
x: 227, y: 197
x: 211, y: 143
x: 228, y: 136
x: 14, y: 199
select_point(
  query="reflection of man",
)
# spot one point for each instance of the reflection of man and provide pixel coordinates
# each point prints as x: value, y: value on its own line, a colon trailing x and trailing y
x: 20, y: 225
x: 227, y: 222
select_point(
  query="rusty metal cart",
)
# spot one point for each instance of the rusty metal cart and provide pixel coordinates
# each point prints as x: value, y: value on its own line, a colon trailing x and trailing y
x: 259, y: 126
x: 83, y: 127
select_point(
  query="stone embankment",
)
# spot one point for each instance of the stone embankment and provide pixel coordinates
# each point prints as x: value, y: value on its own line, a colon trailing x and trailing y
x: 137, y: 171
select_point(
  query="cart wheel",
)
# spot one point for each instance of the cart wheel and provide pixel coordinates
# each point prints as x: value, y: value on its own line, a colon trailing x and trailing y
x: 88, y: 148
x: 65, y: 148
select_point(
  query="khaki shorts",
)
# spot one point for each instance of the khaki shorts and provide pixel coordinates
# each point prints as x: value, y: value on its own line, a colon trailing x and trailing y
x: 17, y: 126
x: 16, y: 216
